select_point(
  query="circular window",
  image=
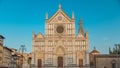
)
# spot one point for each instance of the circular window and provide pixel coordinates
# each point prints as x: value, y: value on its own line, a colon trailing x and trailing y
x: 59, y: 18
x: 60, y: 29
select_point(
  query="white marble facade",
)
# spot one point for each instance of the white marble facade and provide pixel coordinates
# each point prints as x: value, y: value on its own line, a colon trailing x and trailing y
x: 60, y: 46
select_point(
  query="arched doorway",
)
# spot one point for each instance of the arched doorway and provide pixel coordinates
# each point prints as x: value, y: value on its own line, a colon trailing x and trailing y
x: 60, y: 62
x: 80, y: 63
x: 39, y: 63
x: 80, y: 59
x: 60, y: 52
x: 114, y: 64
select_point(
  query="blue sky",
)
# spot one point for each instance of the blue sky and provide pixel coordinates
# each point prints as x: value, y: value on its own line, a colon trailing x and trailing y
x: 18, y: 18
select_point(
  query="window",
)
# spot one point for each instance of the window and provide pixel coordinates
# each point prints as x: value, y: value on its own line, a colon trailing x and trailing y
x: 50, y: 43
x: 49, y: 60
x: 70, y: 60
x: 104, y: 66
x: 69, y: 42
x: 0, y: 51
x: 113, y: 65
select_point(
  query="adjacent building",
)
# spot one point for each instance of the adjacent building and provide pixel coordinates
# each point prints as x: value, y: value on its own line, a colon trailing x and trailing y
x: 7, y: 57
x: 93, y: 53
x: 98, y: 60
x: 107, y: 61
x: 1, y: 49
x: 60, y: 46
x: 10, y: 57
x: 5, y: 54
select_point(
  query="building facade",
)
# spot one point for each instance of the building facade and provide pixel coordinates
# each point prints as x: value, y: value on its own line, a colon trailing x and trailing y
x: 60, y: 46
x: 98, y: 60
x: 6, y: 58
x: 107, y: 61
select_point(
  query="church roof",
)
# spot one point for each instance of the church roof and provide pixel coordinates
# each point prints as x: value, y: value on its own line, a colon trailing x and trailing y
x: 94, y: 51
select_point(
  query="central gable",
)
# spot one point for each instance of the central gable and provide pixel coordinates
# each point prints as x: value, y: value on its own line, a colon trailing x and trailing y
x: 59, y: 17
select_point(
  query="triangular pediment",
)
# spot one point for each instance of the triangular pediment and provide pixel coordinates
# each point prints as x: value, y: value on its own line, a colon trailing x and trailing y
x: 39, y: 35
x: 59, y: 16
x: 80, y: 36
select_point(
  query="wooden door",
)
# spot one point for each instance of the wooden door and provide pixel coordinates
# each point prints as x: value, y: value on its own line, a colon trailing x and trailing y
x: 80, y: 63
x: 60, y: 62
x: 39, y: 63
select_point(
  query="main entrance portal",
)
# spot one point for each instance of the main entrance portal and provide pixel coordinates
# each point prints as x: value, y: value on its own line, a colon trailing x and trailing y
x: 60, y: 62
x: 39, y: 63
x: 81, y: 63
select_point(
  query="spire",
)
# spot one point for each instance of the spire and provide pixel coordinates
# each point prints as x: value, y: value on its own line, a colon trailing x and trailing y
x: 86, y: 34
x: 59, y: 6
x: 33, y: 34
x: 80, y: 28
x: 72, y: 15
x: 46, y: 15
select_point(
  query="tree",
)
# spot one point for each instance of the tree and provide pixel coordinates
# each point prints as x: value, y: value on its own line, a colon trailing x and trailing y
x: 110, y: 52
x: 116, y: 49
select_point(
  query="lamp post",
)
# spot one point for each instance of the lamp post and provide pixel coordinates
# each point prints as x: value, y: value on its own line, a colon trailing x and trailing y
x: 23, y: 49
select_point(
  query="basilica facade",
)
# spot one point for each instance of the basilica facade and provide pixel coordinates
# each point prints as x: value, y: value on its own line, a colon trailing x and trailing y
x: 60, y: 47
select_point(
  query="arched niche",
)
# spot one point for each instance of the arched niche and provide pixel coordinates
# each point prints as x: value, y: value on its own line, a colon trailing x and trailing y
x: 59, y: 50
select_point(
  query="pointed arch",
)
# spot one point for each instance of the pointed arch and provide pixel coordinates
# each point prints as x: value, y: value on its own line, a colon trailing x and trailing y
x: 59, y: 49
